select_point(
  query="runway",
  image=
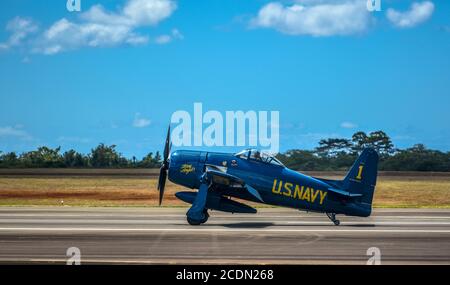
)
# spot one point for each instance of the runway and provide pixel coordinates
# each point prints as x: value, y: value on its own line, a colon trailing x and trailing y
x: 273, y: 236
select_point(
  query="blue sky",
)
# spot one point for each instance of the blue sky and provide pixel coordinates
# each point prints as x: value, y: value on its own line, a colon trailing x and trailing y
x: 115, y: 73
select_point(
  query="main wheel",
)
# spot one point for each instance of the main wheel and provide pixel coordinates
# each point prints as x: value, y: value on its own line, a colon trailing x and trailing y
x: 336, y: 222
x: 205, y: 219
x: 193, y: 222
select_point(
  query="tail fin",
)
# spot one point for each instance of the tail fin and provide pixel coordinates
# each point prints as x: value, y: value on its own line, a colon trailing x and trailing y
x: 362, y: 177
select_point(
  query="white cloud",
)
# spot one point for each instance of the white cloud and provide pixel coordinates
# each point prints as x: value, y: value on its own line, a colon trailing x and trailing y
x: 316, y: 18
x: 20, y: 28
x: 348, y: 125
x: 144, y: 12
x: 165, y: 39
x: 15, y: 131
x: 101, y: 28
x: 417, y: 14
x: 65, y: 35
x: 140, y: 122
x: 97, y: 27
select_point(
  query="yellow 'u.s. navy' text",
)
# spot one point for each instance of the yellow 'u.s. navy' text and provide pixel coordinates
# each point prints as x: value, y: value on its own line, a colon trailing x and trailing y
x: 298, y: 192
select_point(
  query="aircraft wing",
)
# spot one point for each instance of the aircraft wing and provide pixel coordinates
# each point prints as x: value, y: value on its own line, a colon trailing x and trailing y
x: 222, y: 178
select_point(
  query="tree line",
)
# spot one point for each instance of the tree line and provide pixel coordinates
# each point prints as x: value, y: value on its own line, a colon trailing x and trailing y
x: 340, y: 153
x: 330, y: 154
x: 103, y: 156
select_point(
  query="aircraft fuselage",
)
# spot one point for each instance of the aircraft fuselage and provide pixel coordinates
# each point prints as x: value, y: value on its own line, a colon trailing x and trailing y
x: 276, y: 184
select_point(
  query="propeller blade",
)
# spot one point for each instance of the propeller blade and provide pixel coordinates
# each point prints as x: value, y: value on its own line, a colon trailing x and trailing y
x: 161, y: 178
x: 164, y: 167
x: 162, y: 183
x: 167, y: 146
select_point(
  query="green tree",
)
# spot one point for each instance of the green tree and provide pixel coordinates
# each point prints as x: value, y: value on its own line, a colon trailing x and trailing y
x: 75, y: 159
x: 360, y: 141
x: 378, y: 140
x: 381, y: 142
x: 300, y: 159
x: 9, y: 159
x: 158, y: 157
x: 43, y: 157
x: 106, y: 156
x: 333, y: 147
x: 417, y: 158
x: 149, y: 161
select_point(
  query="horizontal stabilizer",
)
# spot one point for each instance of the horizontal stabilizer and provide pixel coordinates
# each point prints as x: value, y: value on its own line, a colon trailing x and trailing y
x: 344, y: 193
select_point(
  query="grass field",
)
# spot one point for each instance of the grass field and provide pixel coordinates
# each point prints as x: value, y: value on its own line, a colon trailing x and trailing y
x: 119, y: 190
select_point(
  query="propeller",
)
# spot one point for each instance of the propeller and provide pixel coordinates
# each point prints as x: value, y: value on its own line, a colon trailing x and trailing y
x: 164, y: 167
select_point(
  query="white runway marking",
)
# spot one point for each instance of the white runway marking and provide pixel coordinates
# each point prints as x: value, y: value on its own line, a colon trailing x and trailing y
x: 171, y: 221
x: 262, y: 216
x: 377, y: 223
x: 197, y: 230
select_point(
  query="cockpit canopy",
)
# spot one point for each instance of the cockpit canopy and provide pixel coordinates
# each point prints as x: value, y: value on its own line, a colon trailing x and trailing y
x: 256, y: 154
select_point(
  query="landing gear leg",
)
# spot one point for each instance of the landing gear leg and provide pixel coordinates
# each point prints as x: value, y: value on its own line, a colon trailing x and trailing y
x: 198, y: 214
x: 332, y: 217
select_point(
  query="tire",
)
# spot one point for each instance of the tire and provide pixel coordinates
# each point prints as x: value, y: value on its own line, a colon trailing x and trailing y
x: 205, y: 219
x: 337, y: 222
x: 193, y: 222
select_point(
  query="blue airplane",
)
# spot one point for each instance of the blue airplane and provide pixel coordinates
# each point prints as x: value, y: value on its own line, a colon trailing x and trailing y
x: 256, y: 176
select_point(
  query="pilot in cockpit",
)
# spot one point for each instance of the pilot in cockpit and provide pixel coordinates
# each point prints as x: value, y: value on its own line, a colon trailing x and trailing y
x: 257, y: 155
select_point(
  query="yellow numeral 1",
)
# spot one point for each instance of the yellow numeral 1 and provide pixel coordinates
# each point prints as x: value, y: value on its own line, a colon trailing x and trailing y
x: 360, y: 172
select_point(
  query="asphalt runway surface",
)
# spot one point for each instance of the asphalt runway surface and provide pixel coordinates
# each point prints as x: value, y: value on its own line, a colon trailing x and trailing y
x: 273, y: 236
